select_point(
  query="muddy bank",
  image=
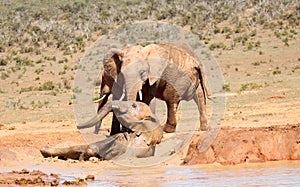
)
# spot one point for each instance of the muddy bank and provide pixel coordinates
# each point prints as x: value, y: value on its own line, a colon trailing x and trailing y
x: 240, y: 145
x: 25, y: 177
x: 39, y: 178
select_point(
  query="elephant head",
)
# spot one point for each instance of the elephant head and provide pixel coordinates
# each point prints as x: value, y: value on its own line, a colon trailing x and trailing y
x: 146, y: 64
x: 108, y: 78
x: 127, y: 70
x: 136, y: 116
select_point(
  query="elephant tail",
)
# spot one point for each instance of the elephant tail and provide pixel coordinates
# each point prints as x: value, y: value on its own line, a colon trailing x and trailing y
x: 203, y: 83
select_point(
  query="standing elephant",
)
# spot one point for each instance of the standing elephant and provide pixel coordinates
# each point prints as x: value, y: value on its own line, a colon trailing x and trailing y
x: 112, y: 82
x: 175, y: 74
x: 166, y: 71
x: 145, y: 133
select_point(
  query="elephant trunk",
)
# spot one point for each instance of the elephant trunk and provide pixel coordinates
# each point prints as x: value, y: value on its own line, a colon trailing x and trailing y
x: 98, y: 118
x: 131, y: 91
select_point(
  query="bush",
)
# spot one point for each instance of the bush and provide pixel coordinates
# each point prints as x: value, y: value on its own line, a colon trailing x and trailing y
x: 249, y: 86
x: 217, y: 46
x: 4, y: 75
x: 226, y: 87
x: 257, y: 63
x: 49, y: 85
x: 28, y: 89
x: 3, y: 62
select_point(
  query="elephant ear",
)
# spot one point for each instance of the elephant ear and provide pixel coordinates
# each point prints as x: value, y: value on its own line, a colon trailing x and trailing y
x: 157, y: 67
x: 117, y: 57
x: 113, y: 61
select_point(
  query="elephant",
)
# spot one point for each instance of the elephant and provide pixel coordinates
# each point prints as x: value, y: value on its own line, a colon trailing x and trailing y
x: 166, y: 71
x: 112, y: 83
x: 145, y: 133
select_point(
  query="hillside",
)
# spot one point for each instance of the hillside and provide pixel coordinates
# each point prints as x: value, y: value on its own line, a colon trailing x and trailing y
x: 256, y: 44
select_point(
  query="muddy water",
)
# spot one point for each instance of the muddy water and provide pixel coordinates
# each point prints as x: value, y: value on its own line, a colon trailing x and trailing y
x: 284, y: 173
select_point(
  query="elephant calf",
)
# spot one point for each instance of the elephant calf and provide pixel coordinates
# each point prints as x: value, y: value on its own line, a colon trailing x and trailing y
x: 145, y: 133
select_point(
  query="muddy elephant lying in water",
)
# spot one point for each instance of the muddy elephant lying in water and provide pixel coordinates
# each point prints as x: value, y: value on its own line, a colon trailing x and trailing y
x: 145, y: 133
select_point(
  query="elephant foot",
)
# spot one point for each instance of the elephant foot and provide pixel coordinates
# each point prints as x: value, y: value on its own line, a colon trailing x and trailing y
x: 168, y: 128
x: 203, y: 128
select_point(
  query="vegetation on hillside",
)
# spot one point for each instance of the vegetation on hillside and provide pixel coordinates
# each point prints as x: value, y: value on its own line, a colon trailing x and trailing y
x: 41, y: 39
x: 66, y: 25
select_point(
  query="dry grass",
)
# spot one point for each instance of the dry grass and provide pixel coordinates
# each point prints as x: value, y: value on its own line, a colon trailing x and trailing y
x: 256, y: 45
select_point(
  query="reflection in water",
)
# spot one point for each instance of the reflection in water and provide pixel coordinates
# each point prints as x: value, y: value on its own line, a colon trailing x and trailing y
x: 282, y: 173
x: 196, y: 176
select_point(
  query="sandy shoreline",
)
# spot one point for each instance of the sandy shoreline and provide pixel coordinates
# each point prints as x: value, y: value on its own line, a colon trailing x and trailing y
x: 19, y: 150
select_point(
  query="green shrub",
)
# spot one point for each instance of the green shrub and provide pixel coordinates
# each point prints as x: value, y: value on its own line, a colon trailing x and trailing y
x: 276, y: 71
x: 2, y: 49
x: 217, y: 46
x: 49, y: 85
x: 226, y: 87
x: 23, y: 61
x: 249, y: 86
x: 39, y: 70
x: 3, y: 62
x: 4, y: 75
x: 250, y: 46
x: 28, y: 89
x: 77, y: 90
x: 257, y: 63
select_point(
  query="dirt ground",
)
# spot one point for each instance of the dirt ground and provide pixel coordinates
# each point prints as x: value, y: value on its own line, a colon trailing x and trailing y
x: 258, y: 101
x: 236, y: 145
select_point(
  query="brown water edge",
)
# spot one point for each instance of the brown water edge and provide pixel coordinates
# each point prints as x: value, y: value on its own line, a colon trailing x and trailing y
x: 237, y: 145
x: 211, y: 174
x: 20, y: 148
x: 233, y: 148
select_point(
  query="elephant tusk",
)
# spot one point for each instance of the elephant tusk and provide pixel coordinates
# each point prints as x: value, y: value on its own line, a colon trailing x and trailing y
x: 140, y: 95
x: 115, y: 107
x: 98, y: 100
x: 122, y: 97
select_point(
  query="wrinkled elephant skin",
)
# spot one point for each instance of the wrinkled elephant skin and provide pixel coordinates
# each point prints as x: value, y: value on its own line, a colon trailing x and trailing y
x: 166, y: 71
x: 145, y: 133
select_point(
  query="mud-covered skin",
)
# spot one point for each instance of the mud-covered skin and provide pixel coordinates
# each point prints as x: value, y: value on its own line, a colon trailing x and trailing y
x: 136, y: 116
x: 168, y: 72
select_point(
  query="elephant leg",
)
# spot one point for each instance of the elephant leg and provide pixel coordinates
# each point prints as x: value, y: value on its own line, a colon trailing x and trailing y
x: 115, y: 126
x: 74, y: 152
x: 200, y: 101
x: 97, y: 127
x: 148, y: 99
x: 152, y: 105
x: 100, y: 106
x: 171, y: 123
x: 107, y: 148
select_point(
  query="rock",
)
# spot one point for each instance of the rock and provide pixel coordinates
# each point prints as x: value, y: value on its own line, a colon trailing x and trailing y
x: 27, y: 178
x: 90, y: 178
x: 77, y: 182
x: 94, y: 159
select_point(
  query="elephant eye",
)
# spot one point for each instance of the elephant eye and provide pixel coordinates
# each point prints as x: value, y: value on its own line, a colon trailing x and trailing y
x: 142, y: 73
x: 134, y: 105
